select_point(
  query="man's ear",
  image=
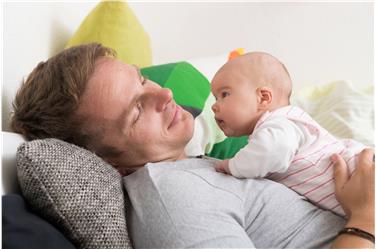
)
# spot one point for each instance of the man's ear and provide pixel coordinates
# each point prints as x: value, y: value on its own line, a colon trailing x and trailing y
x: 264, y: 97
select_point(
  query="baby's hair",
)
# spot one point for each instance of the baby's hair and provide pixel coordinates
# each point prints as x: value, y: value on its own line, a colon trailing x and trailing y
x: 279, y: 78
x: 288, y: 74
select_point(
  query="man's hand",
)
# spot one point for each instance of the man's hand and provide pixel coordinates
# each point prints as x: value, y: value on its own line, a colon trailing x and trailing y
x: 356, y: 194
x: 222, y: 166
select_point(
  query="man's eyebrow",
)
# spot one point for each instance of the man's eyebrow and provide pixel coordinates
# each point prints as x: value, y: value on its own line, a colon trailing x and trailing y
x: 122, y: 118
x: 122, y: 121
x: 138, y: 70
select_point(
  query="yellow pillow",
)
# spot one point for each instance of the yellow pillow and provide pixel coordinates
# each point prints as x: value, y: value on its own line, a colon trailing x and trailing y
x: 114, y: 25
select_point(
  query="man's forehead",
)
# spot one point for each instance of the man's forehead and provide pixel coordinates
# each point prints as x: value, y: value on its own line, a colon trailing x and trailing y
x: 109, y: 80
x: 108, y: 63
x: 137, y: 69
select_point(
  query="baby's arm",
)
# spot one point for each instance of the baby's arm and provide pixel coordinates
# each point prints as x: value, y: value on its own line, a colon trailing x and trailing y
x: 222, y: 166
x: 270, y: 148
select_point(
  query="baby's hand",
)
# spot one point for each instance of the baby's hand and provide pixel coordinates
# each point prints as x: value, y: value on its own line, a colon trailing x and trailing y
x: 222, y: 166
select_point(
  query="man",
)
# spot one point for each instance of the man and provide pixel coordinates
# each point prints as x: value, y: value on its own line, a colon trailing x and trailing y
x: 85, y: 96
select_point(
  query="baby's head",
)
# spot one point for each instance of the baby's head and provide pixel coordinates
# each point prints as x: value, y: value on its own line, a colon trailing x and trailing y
x: 245, y: 88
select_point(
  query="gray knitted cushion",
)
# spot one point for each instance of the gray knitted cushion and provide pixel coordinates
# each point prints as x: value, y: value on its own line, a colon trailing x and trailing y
x: 75, y: 190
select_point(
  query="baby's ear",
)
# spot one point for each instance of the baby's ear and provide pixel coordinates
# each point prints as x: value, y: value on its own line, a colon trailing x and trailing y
x: 264, y: 97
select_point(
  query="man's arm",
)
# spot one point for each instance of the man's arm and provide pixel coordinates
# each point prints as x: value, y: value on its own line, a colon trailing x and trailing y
x: 357, y: 197
x: 352, y: 241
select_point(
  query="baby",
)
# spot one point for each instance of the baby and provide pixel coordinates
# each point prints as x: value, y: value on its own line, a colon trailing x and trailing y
x: 285, y: 144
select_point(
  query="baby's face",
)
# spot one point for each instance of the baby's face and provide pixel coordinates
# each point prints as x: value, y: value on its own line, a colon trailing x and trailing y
x: 236, y: 109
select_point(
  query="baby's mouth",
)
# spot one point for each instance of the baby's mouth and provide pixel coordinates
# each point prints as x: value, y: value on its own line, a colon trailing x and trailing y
x: 220, y: 122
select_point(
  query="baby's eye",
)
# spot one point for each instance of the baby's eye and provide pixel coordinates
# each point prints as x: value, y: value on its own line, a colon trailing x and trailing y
x: 224, y: 94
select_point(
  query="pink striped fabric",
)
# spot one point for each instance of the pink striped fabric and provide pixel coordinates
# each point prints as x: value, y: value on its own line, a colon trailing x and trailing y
x: 311, y: 171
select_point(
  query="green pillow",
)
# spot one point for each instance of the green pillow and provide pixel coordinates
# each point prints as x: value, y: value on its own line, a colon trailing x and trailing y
x: 114, y: 25
x: 189, y: 86
x: 228, y: 147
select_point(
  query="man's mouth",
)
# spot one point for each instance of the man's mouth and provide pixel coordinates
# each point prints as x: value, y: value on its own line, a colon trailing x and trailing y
x: 176, y: 116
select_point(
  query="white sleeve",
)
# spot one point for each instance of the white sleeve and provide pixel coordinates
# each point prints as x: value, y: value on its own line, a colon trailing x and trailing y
x: 270, y: 148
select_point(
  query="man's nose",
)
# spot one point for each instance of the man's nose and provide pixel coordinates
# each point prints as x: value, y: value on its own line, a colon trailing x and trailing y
x: 164, y: 96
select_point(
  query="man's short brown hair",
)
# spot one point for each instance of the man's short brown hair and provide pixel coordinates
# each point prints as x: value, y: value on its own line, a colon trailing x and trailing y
x: 46, y: 103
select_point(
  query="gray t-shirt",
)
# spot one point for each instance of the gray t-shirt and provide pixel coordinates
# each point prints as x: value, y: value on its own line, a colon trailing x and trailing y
x: 187, y: 204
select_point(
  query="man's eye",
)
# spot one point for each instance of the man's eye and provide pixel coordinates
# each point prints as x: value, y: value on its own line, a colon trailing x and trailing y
x: 144, y: 79
x: 139, y: 109
x: 225, y: 94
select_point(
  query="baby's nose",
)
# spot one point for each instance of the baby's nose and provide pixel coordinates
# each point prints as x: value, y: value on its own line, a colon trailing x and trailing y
x: 215, y: 107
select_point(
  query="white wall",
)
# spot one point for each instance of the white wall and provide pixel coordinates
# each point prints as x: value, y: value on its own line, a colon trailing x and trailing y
x: 33, y: 32
x: 318, y: 42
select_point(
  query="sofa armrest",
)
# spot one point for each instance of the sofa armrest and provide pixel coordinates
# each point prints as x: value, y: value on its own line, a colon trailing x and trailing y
x: 11, y: 141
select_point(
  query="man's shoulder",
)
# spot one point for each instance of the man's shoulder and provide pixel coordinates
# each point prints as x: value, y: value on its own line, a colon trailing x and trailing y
x: 191, y: 174
x: 172, y: 170
x: 189, y: 163
x: 171, y: 182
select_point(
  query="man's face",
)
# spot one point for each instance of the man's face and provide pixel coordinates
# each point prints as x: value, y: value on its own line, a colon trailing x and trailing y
x: 137, y: 116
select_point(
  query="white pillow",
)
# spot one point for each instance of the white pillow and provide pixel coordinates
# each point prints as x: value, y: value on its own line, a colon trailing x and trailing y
x: 206, y: 132
x: 209, y: 65
x: 11, y: 141
x: 341, y: 108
